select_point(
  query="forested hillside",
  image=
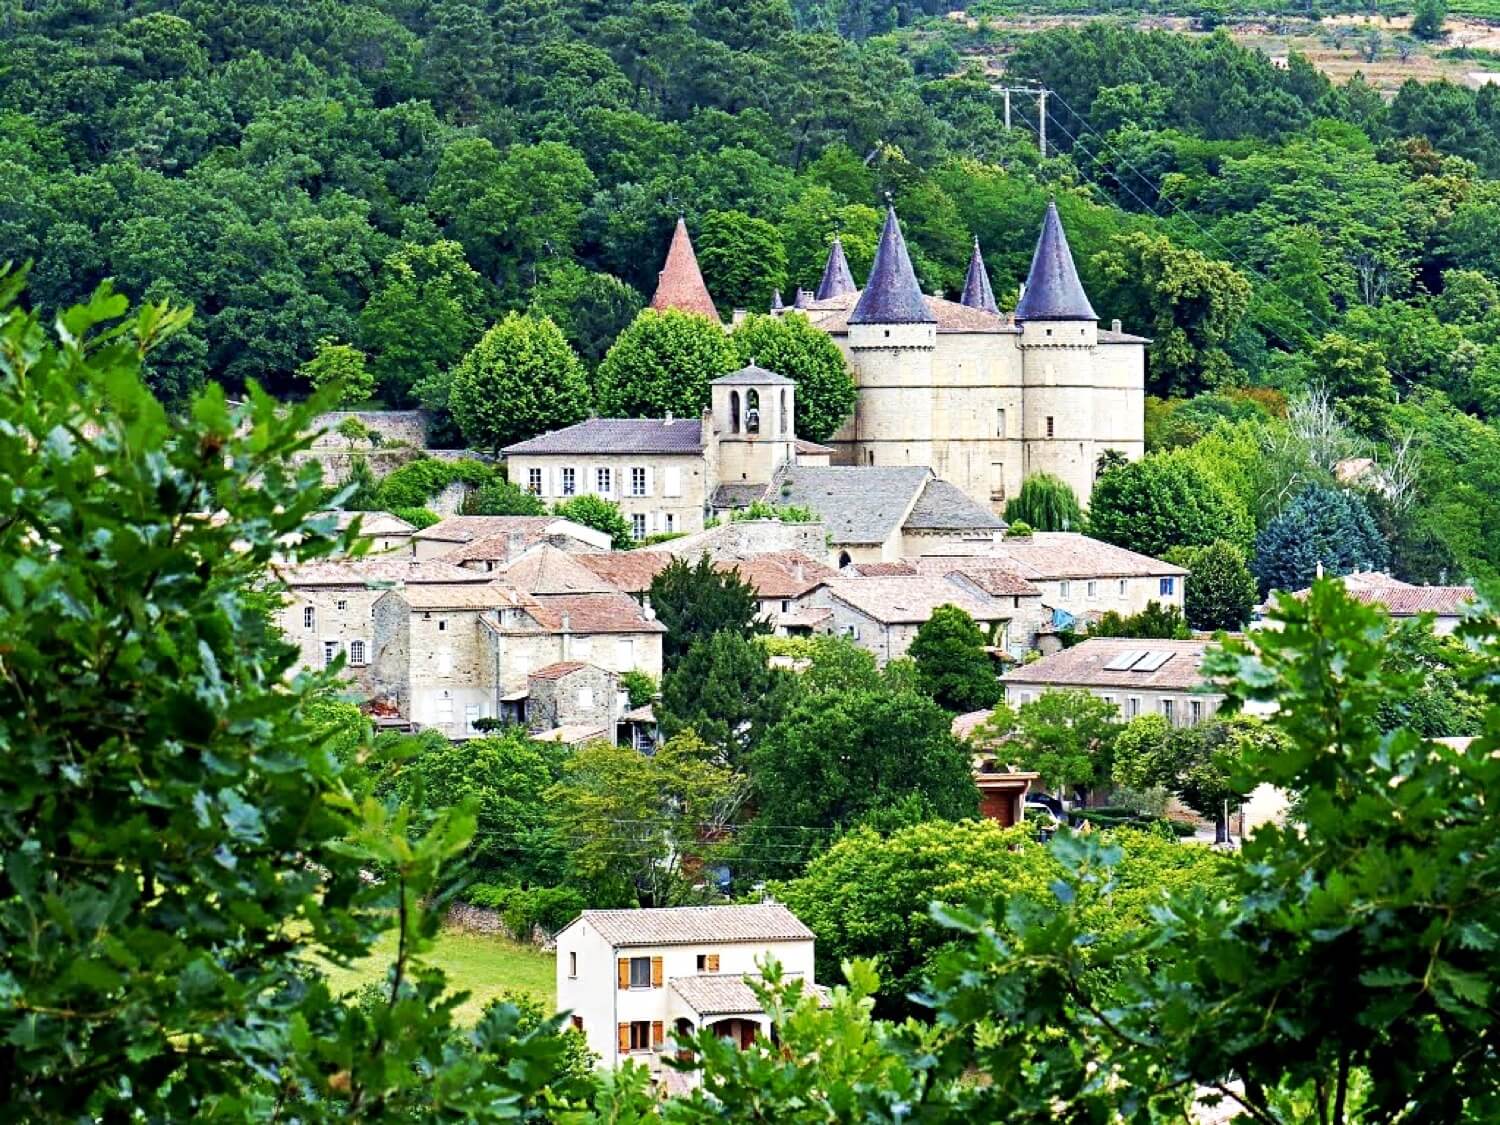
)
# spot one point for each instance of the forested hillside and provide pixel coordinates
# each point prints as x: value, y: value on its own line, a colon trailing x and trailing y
x: 396, y: 175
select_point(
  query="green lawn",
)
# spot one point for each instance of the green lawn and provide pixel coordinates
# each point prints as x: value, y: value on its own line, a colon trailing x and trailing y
x: 480, y: 965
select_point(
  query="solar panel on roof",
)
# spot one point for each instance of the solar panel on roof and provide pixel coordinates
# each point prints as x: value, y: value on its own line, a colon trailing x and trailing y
x: 1152, y: 662
x: 1124, y: 660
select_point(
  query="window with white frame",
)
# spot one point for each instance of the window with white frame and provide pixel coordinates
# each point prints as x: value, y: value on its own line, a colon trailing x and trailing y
x: 1064, y: 589
x: 1112, y: 701
x: 583, y: 647
x: 625, y: 654
x: 330, y: 652
x: 669, y: 522
x: 638, y: 481
x: 603, y: 481
x: 1000, y: 422
x: 1025, y: 697
x: 1195, y: 710
x: 640, y: 973
x: 445, y: 708
x: 357, y: 653
x: 569, y: 482
x: 572, y: 964
x: 638, y: 525
x: 1169, y: 711
x: 309, y: 617
x: 534, y: 481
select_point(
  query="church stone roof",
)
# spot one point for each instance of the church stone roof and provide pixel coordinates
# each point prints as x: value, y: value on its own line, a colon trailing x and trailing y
x: 946, y: 507
x: 836, y: 276
x: 751, y: 375
x: 891, y: 295
x: 618, y: 435
x: 1053, y: 291
x: 680, y: 283
x: 977, y: 292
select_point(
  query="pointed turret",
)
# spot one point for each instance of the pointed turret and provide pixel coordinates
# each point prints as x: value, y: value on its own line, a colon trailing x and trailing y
x: 977, y: 291
x: 680, y: 283
x: 892, y: 295
x: 837, y: 280
x: 1053, y: 291
x: 776, y: 305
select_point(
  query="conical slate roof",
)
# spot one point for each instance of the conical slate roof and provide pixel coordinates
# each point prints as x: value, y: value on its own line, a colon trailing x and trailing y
x: 776, y: 305
x: 892, y: 295
x: 837, y: 280
x: 977, y: 291
x: 680, y: 283
x: 1053, y: 291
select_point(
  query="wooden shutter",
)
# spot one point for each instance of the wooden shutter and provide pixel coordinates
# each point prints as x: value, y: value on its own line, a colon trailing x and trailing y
x: 656, y: 972
x: 713, y: 962
x: 623, y: 965
x: 658, y: 1034
x: 624, y: 1039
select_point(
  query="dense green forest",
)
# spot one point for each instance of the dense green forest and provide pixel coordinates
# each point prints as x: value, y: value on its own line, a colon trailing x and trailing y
x: 396, y: 176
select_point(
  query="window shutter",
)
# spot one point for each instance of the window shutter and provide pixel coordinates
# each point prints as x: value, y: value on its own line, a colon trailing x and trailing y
x: 623, y: 965
x: 656, y: 972
x: 624, y: 1039
x: 673, y: 481
x: 658, y: 1034
x: 713, y: 962
x: 650, y: 473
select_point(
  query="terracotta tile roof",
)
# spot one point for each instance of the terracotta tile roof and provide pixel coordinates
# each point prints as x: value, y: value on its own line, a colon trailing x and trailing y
x: 630, y: 571
x: 375, y: 569
x: 880, y: 569
x: 466, y: 529
x: 546, y: 570
x: 966, y: 724
x: 618, y: 435
x: 557, y: 671
x: 990, y: 575
x: 781, y: 574
x: 1067, y: 554
x: 372, y: 523
x: 909, y: 599
x: 832, y: 316
x: 1053, y: 291
x: 680, y: 283
x: 511, y: 544
x: 685, y: 925
x: 594, y: 613
x: 645, y: 714
x: 1083, y: 665
x: 803, y: 617
x: 1402, y: 599
x: 488, y: 595
x: 729, y: 994
x: 572, y: 734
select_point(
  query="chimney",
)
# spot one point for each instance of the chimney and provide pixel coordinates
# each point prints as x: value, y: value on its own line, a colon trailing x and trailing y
x: 646, y: 608
x: 737, y: 317
x: 514, y: 544
x: 1114, y: 325
x: 1320, y: 568
x: 797, y: 572
x: 668, y: 420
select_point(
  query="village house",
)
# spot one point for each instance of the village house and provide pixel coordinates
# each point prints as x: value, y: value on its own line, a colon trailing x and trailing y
x: 630, y: 978
x: 1083, y: 578
x: 1403, y: 601
x: 328, y: 609
x: 1139, y: 677
x: 985, y: 578
x: 447, y: 655
x: 882, y: 615
x: 485, y: 542
x: 887, y: 514
x: 784, y: 582
x: 381, y: 530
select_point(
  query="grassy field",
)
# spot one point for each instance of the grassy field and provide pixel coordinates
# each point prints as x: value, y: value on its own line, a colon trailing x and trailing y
x: 475, y: 963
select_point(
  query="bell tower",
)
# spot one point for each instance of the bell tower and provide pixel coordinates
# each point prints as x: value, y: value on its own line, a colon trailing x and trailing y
x: 753, y: 411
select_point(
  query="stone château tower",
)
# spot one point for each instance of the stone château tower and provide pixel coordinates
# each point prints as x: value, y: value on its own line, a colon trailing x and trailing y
x: 1059, y: 336
x: 753, y: 413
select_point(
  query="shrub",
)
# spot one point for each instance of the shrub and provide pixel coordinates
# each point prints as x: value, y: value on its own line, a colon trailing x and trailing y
x: 1020, y: 529
x: 599, y: 514
x: 417, y: 517
x: 551, y: 908
x: 786, y: 513
x: 417, y: 482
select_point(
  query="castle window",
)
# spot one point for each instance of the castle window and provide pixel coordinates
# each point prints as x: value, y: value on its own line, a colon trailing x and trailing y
x: 752, y: 412
x: 1049, y: 331
x: 1050, y: 427
x: 734, y: 412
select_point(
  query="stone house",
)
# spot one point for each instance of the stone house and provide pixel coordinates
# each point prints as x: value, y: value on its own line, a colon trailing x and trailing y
x: 882, y: 615
x: 1404, y: 601
x: 571, y: 693
x: 1084, y: 578
x: 445, y: 656
x: 784, y: 581
x: 887, y: 514
x: 630, y: 978
x: 484, y: 542
x: 381, y: 530
x: 1139, y: 677
x: 328, y: 607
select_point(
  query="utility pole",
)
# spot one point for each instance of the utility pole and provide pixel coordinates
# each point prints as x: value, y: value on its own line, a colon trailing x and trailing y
x: 1040, y: 94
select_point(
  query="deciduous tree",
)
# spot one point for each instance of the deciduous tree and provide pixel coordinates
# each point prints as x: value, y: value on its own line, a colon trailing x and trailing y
x: 521, y: 379
x: 661, y: 365
x: 952, y: 665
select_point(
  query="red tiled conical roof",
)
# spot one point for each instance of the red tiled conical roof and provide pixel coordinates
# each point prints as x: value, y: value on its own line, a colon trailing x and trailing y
x: 680, y: 283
